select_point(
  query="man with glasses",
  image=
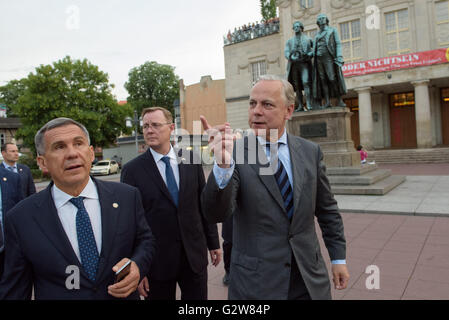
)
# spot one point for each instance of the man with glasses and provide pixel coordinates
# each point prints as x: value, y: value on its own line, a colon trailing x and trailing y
x: 171, y: 187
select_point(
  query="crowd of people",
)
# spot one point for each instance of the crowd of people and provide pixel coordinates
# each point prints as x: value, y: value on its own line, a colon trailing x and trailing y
x: 252, y: 30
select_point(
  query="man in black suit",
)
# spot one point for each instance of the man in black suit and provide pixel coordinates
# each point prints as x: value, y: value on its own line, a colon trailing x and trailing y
x: 171, y: 187
x: 69, y: 239
x: 10, y: 195
x: 10, y: 154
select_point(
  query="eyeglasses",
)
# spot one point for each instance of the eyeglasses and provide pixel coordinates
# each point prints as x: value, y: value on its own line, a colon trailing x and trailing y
x: 154, y: 125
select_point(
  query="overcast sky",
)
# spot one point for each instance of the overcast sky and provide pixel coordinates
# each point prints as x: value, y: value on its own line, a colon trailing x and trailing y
x: 117, y: 35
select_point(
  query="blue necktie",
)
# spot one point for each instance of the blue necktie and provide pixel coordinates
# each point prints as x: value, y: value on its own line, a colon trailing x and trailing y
x: 86, y: 240
x: 170, y: 178
x: 284, y: 186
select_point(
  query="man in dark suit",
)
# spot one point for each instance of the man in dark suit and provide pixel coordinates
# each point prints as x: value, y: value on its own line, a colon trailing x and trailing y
x: 10, y: 154
x: 171, y: 187
x: 10, y: 195
x: 275, y: 253
x: 68, y: 240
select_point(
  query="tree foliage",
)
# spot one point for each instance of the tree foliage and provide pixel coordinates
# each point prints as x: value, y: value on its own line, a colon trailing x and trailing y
x: 268, y: 9
x: 10, y: 93
x: 152, y: 84
x: 69, y: 88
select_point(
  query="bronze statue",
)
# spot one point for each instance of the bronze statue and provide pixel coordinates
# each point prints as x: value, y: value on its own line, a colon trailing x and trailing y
x: 299, y: 52
x: 328, y: 80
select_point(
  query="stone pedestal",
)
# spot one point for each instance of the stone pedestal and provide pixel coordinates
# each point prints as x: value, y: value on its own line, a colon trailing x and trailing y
x: 331, y: 129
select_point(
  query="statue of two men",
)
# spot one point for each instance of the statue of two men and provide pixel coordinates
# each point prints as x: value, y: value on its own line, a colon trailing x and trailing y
x: 324, y: 79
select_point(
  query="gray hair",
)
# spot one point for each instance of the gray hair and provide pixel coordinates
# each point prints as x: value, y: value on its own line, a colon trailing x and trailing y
x: 52, y: 124
x: 289, y: 92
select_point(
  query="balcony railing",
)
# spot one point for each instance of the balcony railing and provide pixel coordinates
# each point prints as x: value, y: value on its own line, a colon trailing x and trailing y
x: 253, y: 31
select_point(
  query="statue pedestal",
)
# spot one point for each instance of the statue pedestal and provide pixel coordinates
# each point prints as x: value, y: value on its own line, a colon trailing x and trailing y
x: 331, y: 129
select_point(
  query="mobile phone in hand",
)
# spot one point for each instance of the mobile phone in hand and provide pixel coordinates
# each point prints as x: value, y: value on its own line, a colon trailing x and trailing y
x: 123, y: 271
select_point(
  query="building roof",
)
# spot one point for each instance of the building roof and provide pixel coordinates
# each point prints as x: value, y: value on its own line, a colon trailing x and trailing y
x: 10, y: 123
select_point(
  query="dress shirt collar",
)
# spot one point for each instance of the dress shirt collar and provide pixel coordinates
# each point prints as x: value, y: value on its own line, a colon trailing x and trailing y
x: 282, y: 140
x: 7, y: 166
x: 61, y: 198
x: 157, y: 156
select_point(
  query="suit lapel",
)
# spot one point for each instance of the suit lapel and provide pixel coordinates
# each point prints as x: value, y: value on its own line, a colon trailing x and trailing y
x: 183, y: 175
x: 47, y: 218
x: 262, y: 171
x: 110, y: 210
x: 5, y: 194
x: 297, y: 165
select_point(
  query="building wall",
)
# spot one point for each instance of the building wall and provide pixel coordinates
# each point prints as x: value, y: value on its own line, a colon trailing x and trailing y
x: 423, y: 35
x: 205, y: 98
x: 239, y: 58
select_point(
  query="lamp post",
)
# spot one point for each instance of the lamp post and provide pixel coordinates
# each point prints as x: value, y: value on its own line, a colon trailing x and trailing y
x: 134, y: 123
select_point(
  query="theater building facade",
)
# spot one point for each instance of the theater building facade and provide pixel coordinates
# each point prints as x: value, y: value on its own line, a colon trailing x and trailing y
x: 396, y: 66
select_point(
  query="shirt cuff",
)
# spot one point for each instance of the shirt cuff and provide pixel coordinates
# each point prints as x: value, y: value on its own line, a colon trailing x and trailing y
x: 338, y: 261
x: 223, y: 175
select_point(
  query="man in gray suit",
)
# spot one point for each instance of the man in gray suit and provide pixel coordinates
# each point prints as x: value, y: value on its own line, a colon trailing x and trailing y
x: 274, y: 184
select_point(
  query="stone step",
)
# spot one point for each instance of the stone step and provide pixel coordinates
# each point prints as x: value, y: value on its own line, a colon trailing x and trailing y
x: 379, y: 188
x: 352, y: 171
x: 431, y: 155
x: 366, y: 179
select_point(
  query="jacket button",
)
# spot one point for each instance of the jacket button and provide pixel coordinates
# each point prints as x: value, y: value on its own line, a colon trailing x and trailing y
x: 95, y: 289
x: 287, y: 265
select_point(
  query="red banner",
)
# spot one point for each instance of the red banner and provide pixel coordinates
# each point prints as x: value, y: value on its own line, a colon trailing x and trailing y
x: 403, y: 61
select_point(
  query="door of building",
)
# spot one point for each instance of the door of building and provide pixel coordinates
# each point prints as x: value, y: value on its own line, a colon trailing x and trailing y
x: 402, y: 120
x: 445, y: 115
x: 353, y: 105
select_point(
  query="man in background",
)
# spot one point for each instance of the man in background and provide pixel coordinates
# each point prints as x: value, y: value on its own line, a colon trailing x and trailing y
x: 10, y: 154
x: 10, y: 195
x: 171, y: 187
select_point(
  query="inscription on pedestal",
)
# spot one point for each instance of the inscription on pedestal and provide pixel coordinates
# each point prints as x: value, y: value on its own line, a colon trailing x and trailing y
x: 313, y: 130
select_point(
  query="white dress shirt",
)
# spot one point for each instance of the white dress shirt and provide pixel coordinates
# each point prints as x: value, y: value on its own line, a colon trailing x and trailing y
x: 67, y: 213
x: 161, y: 164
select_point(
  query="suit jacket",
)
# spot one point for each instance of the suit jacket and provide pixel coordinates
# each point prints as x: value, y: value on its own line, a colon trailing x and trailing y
x: 263, y: 237
x: 11, y: 193
x: 38, y: 250
x: 26, y: 178
x: 173, y: 227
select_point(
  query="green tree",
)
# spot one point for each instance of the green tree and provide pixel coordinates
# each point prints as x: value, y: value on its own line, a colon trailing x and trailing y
x: 268, y: 9
x: 10, y: 93
x: 152, y: 84
x: 70, y: 88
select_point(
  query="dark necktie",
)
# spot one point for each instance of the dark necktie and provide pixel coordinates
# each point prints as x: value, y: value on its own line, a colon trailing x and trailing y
x: 284, y: 186
x: 86, y: 239
x: 12, y: 169
x: 171, y: 182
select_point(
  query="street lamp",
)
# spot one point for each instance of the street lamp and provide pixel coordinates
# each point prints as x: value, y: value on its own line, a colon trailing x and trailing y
x: 134, y: 123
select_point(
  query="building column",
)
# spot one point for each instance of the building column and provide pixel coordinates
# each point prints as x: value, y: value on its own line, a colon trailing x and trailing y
x: 422, y: 114
x: 365, y: 118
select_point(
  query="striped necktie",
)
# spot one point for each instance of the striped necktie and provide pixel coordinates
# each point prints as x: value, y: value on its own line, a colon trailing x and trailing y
x: 284, y: 186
